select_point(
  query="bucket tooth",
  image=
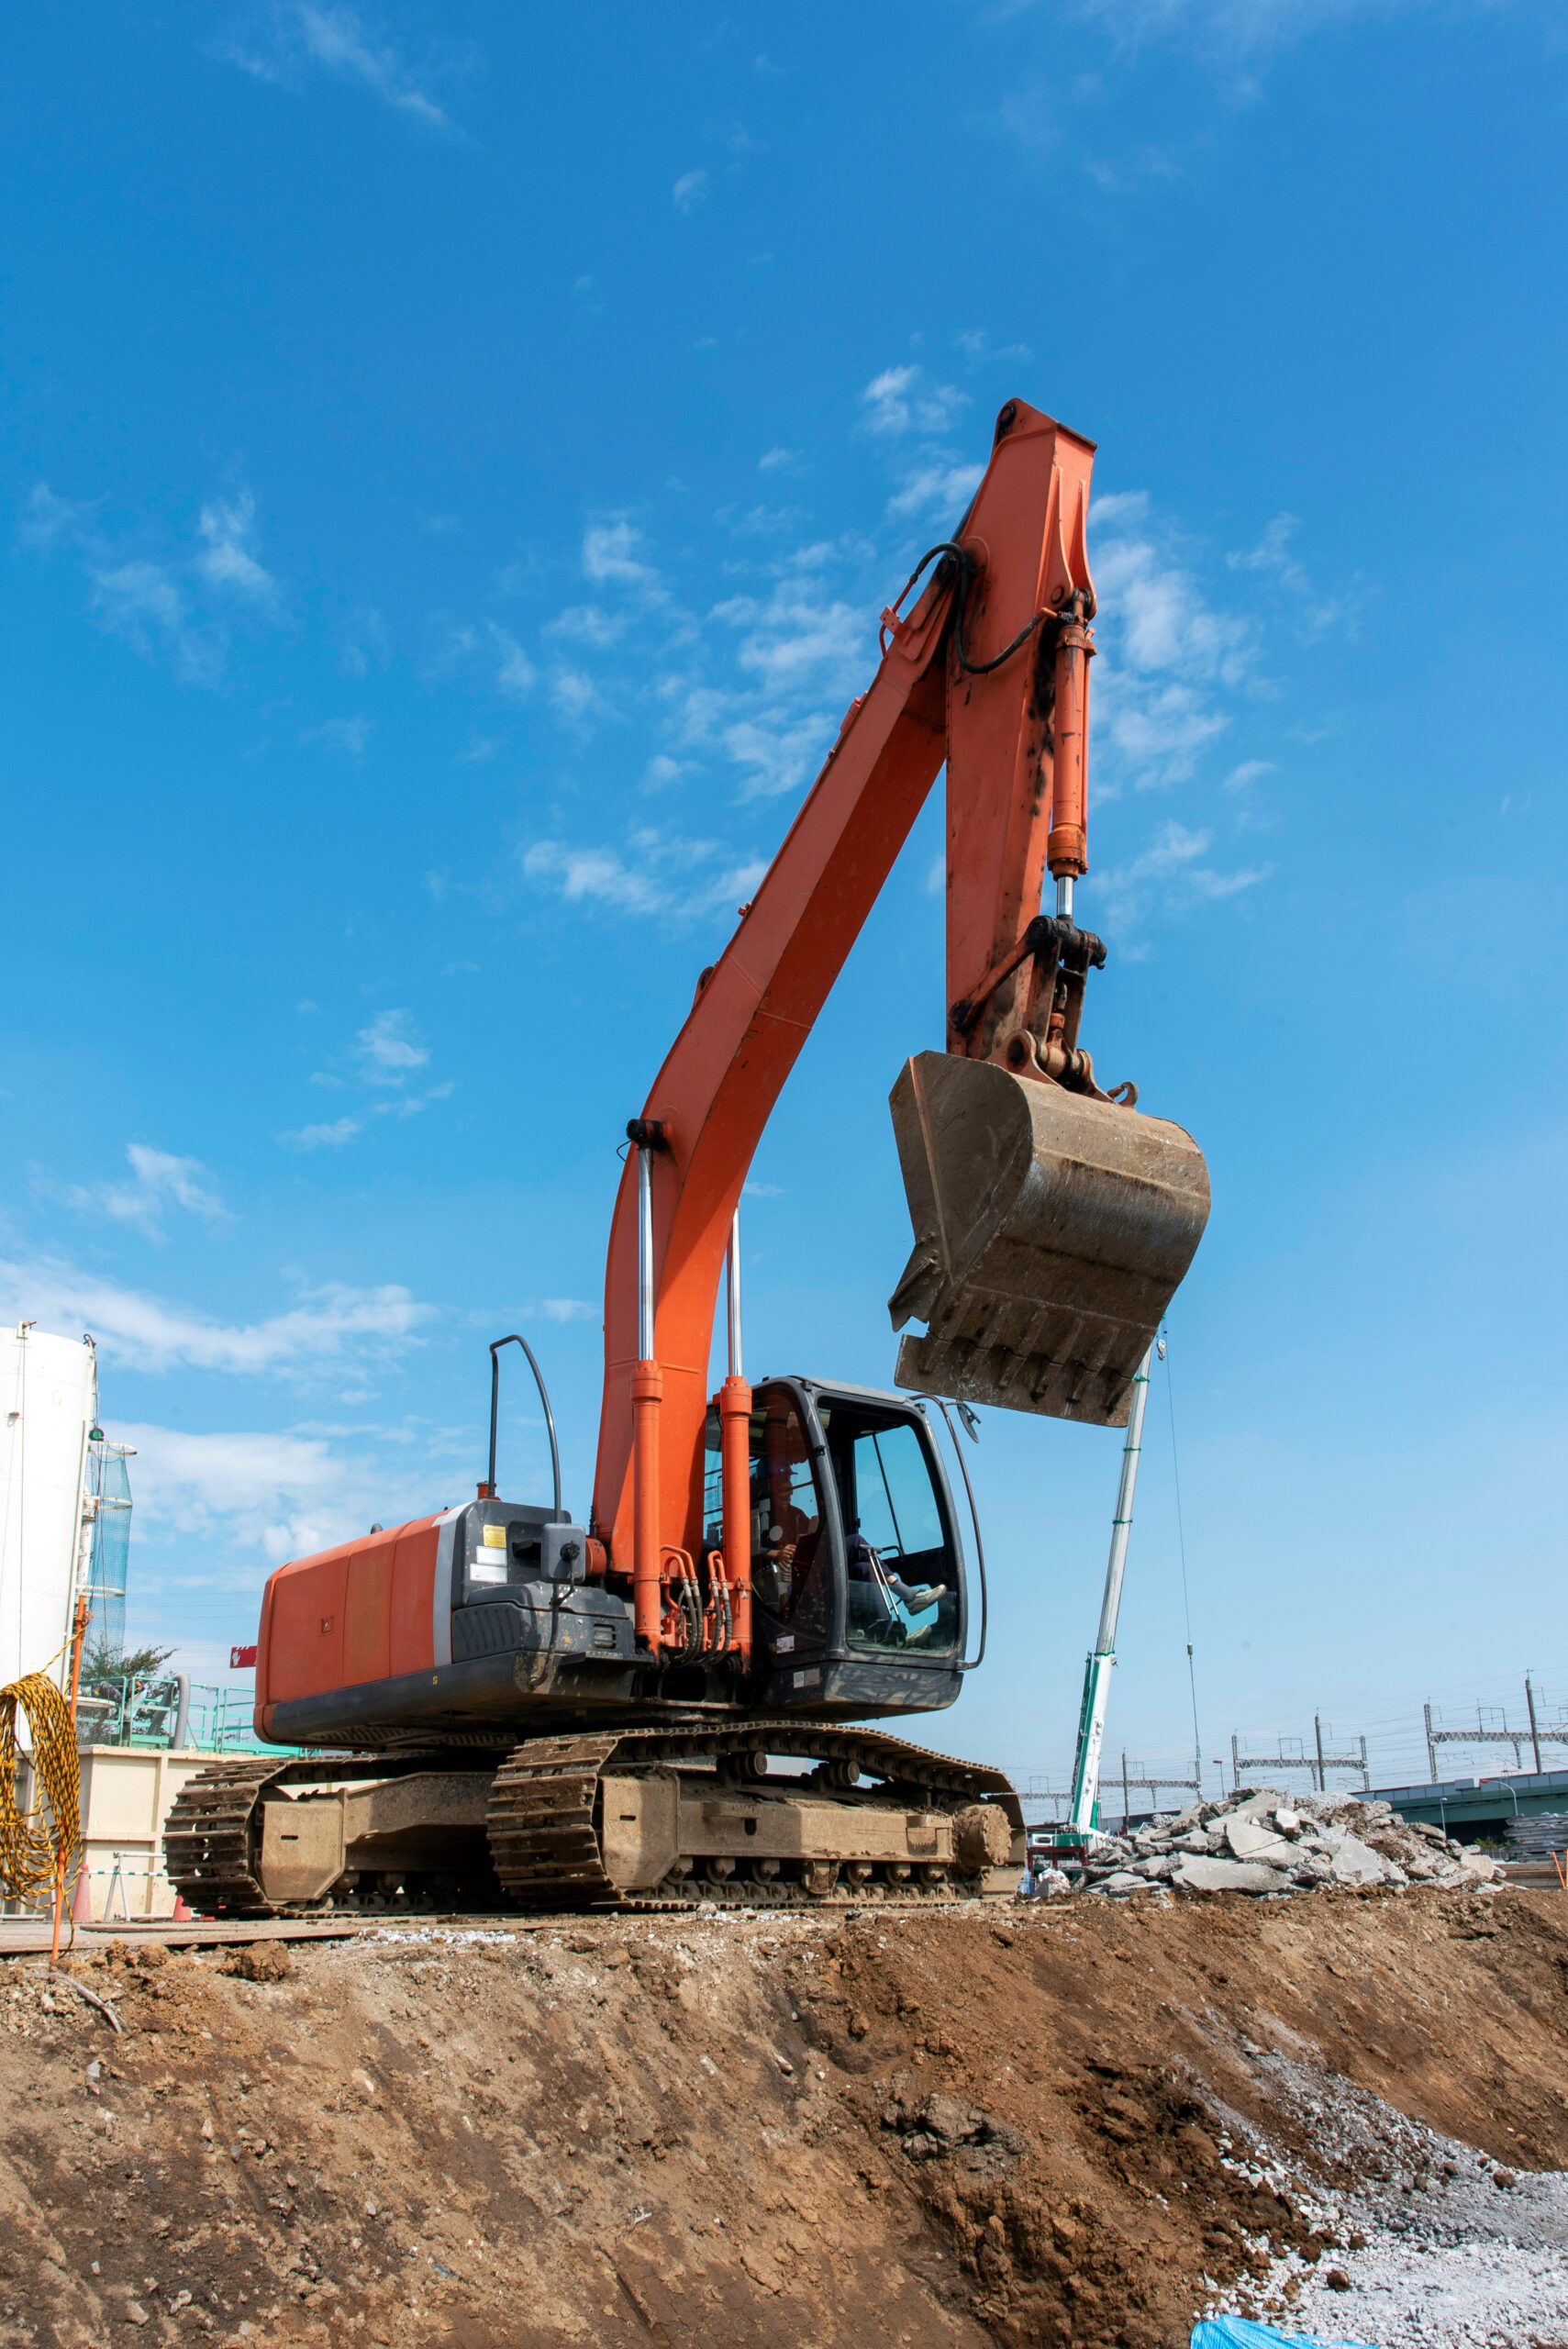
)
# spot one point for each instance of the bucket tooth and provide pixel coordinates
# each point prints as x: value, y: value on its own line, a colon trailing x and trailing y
x: 1051, y: 1233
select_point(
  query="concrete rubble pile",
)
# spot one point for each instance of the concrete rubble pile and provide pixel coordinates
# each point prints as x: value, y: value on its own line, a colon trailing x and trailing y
x: 1270, y: 1842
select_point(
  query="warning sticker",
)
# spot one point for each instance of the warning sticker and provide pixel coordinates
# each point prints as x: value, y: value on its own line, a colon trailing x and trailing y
x: 495, y: 1537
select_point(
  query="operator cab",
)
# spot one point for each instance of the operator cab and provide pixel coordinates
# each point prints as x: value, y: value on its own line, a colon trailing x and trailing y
x: 858, y: 1592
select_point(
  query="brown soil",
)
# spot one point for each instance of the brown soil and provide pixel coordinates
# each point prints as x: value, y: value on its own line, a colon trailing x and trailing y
x: 890, y: 2129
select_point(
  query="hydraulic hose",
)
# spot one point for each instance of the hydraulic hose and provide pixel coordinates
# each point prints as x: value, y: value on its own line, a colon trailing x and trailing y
x: 544, y: 1397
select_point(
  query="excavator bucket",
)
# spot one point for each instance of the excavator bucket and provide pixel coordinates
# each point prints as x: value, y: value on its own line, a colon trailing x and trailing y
x: 1051, y: 1233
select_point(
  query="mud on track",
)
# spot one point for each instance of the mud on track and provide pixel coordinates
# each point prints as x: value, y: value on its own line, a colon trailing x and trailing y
x: 1075, y: 2125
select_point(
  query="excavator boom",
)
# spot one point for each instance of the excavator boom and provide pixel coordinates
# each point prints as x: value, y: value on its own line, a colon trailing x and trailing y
x: 1051, y: 1223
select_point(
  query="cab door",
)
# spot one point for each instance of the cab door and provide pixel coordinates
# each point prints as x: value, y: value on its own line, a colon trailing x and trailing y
x: 795, y: 1539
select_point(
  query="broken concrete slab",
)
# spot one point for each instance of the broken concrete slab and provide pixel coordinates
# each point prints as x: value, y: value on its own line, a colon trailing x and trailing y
x: 1254, y: 1806
x: 1352, y: 1861
x: 1249, y: 1840
x: 1198, y: 1875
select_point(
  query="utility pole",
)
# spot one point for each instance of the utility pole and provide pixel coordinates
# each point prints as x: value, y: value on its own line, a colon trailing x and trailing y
x: 1534, y: 1732
x: 1320, y: 1781
x: 1097, y: 1672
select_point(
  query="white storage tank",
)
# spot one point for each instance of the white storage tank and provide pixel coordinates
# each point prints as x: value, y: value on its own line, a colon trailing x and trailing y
x: 49, y: 1405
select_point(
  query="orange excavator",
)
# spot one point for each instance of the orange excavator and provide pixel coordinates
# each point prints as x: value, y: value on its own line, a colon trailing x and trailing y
x: 665, y: 1701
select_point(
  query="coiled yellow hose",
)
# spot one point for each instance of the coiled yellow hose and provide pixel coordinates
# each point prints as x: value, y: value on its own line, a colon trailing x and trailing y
x: 41, y: 1846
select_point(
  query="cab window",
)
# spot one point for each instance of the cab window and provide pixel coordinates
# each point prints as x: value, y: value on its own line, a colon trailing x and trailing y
x: 903, y: 1571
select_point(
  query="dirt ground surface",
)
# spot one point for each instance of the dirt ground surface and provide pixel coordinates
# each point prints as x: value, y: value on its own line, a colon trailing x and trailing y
x: 1078, y: 2125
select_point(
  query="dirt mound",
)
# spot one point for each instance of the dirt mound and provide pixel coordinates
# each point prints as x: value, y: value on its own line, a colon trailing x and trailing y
x: 1075, y: 2125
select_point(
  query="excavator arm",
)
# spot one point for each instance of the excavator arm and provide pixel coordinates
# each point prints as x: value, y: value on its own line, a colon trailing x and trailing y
x: 989, y: 673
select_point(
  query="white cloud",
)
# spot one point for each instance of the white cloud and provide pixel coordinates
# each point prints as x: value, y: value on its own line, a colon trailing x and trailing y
x: 690, y: 190
x: 885, y: 398
x: 332, y: 1137
x: 141, y: 602
x: 942, y: 485
x: 227, y: 561
x: 1230, y: 31
x: 158, y: 1183
x: 653, y: 875
x: 48, y: 521
x: 759, y: 521
x: 774, y: 461
x: 778, y: 756
x: 796, y: 637
x: 279, y: 1494
x: 1173, y: 871
x: 402, y: 1106
x: 283, y: 1494
x: 609, y: 554
x: 1167, y: 656
x: 574, y: 696
x: 155, y: 604
x: 900, y: 406
x: 1273, y: 554
x: 586, y: 624
x: 339, y: 40
x: 568, y: 1308
x: 1249, y: 771
x: 802, y: 652
x: 600, y: 874
x: 976, y: 346
x: 389, y: 1049
x: 899, y: 401
x: 350, y: 734
x: 1272, y: 561
x: 150, y: 1333
x: 1158, y: 608
x: 515, y: 674
x: 410, y: 1105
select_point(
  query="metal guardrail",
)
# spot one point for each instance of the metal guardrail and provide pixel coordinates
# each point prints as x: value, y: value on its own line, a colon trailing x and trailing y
x: 170, y: 1711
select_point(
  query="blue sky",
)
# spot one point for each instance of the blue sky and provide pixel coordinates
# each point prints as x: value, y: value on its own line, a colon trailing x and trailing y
x: 456, y: 461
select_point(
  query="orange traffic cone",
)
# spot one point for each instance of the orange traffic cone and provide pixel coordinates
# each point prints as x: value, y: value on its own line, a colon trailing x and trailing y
x: 183, y: 1916
x: 82, y: 1898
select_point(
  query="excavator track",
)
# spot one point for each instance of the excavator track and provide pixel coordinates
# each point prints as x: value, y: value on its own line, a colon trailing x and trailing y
x: 209, y: 1838
x: 543, y: 1819
x: 206, y: 1841
x: 544, y: 1837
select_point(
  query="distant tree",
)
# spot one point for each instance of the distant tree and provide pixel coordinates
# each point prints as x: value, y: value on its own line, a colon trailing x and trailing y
x: 102, y: 1665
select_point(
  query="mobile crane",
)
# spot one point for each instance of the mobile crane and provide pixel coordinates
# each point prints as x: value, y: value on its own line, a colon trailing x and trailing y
x: 665, y: 1700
